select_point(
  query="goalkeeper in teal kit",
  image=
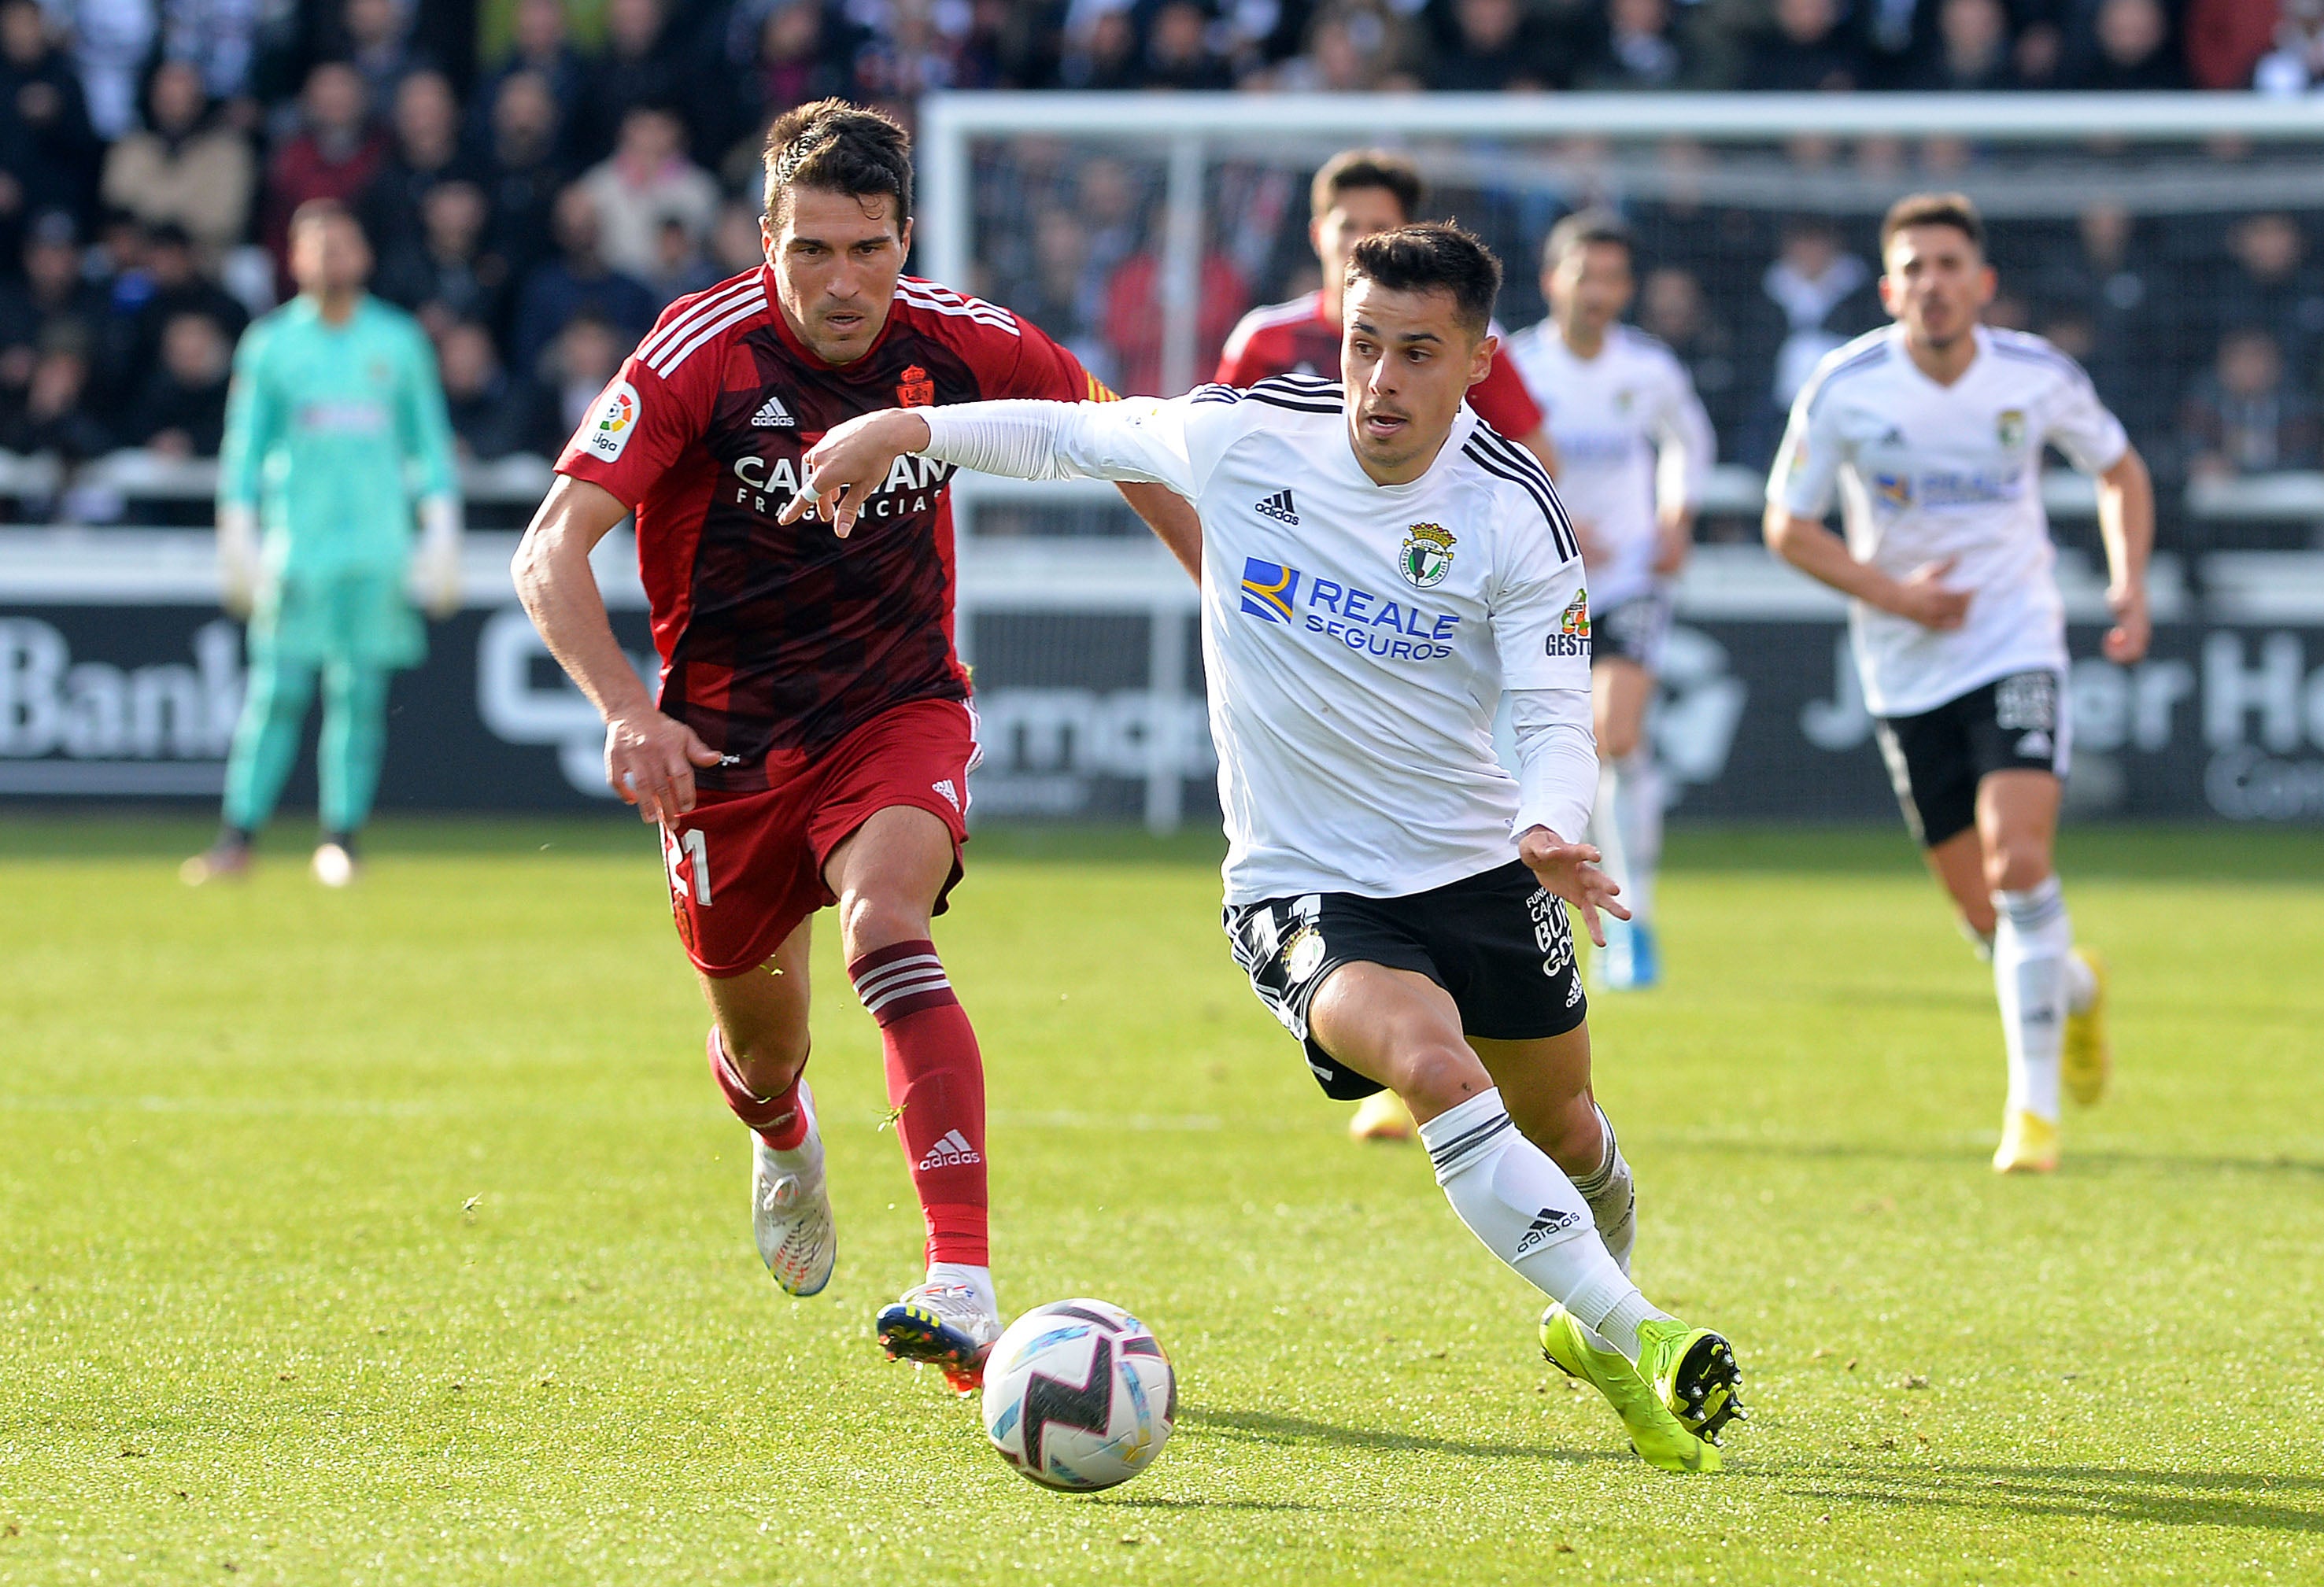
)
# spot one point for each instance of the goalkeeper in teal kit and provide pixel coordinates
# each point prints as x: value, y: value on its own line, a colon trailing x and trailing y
x: 335, y: 432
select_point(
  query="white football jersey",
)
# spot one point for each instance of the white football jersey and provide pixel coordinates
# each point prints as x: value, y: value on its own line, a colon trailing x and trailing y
x: 1927, y: 471
x: 1358, y: 636
x: 1630, y: 433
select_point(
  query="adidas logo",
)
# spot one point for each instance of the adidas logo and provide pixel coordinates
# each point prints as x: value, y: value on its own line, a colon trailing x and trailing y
x: 952, y: 1152
x: 1277, y: 507
x: 1894, y: 437
x: 951, y: 794
x: 773, y: 415
x: 1548, y: 1222
x: 2035, y: 745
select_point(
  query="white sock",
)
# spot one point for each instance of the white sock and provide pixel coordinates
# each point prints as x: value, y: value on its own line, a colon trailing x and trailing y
x: 1529, y: 1214
x: 2031, y: 942
x: 2081, y: 984
x: 1638, y: 822
x: 1613, y: 1198
x: 979, y: 1279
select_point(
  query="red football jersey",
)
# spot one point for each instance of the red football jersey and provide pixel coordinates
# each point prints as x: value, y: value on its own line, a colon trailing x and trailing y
x: 777, y: 641
x: 1294, y: 339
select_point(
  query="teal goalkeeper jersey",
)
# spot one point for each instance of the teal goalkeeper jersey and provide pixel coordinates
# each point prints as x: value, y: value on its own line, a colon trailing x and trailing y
x: 332, y: 432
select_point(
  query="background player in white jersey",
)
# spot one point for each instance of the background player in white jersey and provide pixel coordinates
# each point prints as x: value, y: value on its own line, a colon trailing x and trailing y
x: 1933, y: 429
x: 1377, y: 567
x: 1633, y: 444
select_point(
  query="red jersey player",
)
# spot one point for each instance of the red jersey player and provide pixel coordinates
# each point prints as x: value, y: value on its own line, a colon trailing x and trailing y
x: 1358, y: 193
x: 812, y: 736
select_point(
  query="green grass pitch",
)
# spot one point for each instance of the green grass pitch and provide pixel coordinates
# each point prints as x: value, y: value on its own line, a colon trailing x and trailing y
x: 397, y: 1236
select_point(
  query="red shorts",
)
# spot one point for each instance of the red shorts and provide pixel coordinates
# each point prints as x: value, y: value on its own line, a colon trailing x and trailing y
x: 746, y: 868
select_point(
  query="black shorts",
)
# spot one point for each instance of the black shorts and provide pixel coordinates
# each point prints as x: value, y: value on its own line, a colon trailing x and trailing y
x: 1497, y: 941
x: 1937, y: 758
x: 1633, y: 631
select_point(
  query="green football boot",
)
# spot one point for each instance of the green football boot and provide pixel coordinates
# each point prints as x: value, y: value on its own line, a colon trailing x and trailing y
x: 1661, y: 1439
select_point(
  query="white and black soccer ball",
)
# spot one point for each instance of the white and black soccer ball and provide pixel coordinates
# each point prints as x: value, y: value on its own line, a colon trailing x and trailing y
x: 1078, y: 1396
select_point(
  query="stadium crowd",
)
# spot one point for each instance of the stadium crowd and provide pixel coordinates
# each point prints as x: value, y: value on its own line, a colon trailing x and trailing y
x: 536, y: 199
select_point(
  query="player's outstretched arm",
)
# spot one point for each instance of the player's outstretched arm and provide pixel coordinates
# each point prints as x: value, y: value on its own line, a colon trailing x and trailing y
x: 849, y: 462
x: 1136, y: 441
x: 2126, y: 525
x: 649, y: 759
x: 1924, y: 597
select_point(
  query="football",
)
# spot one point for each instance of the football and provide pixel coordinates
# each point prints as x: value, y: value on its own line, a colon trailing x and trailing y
x: 1078, y: 1396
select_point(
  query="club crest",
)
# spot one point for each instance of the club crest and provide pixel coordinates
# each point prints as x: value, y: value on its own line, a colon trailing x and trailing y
x: 2010, y: 428
x: 1427, y: 556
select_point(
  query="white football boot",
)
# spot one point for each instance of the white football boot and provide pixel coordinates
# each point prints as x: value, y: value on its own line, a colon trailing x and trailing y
x: 790, y: 1210
x: 948, y: 1324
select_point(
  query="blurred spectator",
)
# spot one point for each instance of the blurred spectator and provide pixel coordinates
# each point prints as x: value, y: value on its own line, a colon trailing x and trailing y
x: 51, y: 297
x: 181, y: 410
x: 185, y: 168
x: 1179, y: 52
x: 1352, y: 47
x: 219, y: 37
x: 440, y: 270
x: 639, y: 66
x: 1815, y: 297
x: 333, y: 155
x: 57, y: 415
x: 2125, y: 44
x: 2244, y: 416
x: 1491, y: 50
x: 541, y: 48
x: 49, y: 153
x: 680, y: 266
x: 1641, y: 49
x: 736, y: 245
x: 647, y: 181
x: 577, y: 281
x: 492, y: 415
x: 170, y: 284
x: 111, y: 41
x: 2288, y: 62
x: 1135, y: 322
x: 2114, y: 276
x: 424, y: 152
x: 2227, y: 38
x: 793, y: 57
x: 379, y: 45
x: 1063, y: 300
x: 1808, y: 51
x: 523, y: 173
x: 1673, y: 308
x: 1972, y: 54
x: 585, y: 356
x: 909, y: 54
x: 1101, y: 50
x: 2272, y: 286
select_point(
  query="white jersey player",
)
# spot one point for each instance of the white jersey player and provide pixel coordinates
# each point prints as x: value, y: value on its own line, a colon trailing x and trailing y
x: 1378, y: 568
x: 1633, y: 446
x: 1933, y: 431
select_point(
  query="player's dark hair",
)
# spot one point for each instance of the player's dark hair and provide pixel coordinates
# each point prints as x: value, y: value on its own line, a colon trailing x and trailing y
x: 1353, y: 168
x: 836, y: 148
x: 1435, y: 256
x: 1952, y: 210
x: 1582, y: 229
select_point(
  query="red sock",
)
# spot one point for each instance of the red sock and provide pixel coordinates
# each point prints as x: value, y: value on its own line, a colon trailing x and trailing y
x: 778, y: 1119
x: 935, y: 1078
